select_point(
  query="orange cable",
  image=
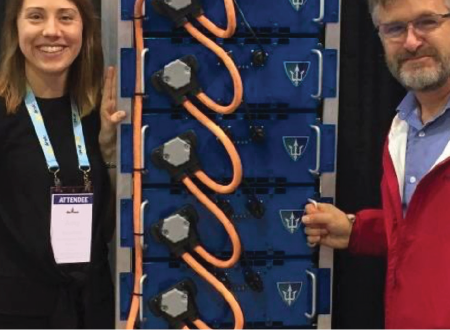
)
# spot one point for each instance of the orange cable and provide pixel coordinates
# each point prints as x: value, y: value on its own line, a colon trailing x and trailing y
x: 201, y: 325
x: 227, y: 295
x: 231, y: 19
x: 229, y: 147
x: 137, y: 178
x: 234, y: 237
x: 231, y: 66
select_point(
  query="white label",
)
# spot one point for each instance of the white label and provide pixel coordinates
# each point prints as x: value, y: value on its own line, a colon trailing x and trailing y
x: 71, y: 227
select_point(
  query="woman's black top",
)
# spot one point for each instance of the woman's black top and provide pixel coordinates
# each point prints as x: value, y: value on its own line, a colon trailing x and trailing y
x: 31, y: 283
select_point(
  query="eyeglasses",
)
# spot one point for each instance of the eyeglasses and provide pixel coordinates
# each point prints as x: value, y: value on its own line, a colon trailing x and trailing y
x: 422, y: 25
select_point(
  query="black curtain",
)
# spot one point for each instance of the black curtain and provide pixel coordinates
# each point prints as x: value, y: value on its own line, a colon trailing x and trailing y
x: 368, y: 99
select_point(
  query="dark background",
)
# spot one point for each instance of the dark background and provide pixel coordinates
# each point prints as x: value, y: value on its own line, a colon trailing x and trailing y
x: 368, y: 100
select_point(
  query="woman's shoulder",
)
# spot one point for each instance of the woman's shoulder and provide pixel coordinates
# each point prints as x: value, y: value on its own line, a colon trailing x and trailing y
x: 6, y: 117
x: 2, y: 105
x: 3, y: 111
x: 2, y: 118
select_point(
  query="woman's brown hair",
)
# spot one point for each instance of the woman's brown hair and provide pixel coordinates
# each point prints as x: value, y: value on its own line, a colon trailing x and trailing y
x: 86, y: 73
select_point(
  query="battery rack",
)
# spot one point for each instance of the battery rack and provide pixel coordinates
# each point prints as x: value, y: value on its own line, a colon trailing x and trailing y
x: 232, y: 131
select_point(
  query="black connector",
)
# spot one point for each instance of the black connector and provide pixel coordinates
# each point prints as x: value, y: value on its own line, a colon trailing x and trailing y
x: 256, y: 207
x: 178, y: 79
x: 177, y: 304
x: 178, y: 156
x: 258, y: 133
x: 179, y: 11
x: 178, y: 231
x: 253, y: 280
x: 259, y: 58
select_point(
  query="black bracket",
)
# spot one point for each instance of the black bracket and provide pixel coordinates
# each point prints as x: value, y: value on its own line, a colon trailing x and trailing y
x: 178, y: 11
x: 178, y: 231
x: 178, y: 79
x: 177, y: 304
x: 178, y: 156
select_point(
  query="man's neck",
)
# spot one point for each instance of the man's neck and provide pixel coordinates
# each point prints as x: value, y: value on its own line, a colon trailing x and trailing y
x: 46, y: 86
x: 432, y: 103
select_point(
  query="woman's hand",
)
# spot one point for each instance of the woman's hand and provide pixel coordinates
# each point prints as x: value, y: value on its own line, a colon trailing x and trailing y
x: 110, y: 116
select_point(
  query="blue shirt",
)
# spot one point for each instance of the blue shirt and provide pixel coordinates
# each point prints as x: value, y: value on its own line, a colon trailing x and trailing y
x: 425, y: 143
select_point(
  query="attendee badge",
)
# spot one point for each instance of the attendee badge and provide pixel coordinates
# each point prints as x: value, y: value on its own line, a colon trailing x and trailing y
x: 71, y: 208
x: 71, y: 227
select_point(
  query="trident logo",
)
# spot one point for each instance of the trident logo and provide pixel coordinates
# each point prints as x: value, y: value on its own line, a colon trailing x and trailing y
x: 297, y: 71
x: 289, y: 291
x: 291, y: 219
x: 295, y: 146
x: 297, y: 4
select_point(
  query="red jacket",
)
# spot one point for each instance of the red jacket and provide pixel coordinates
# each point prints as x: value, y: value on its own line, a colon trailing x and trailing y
x: 417, y: 246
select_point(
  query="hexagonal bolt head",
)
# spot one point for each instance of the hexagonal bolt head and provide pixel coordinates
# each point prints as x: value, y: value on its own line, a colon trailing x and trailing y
x: 175, y: 302
x: 175, y: 228
x: 177, y: 152
x: 177, y: 74
x: 178, y: 4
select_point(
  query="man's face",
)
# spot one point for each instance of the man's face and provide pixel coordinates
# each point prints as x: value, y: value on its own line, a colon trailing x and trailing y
x: 419, y: 61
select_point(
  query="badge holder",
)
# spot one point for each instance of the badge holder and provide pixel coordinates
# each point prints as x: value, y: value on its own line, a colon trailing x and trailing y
x: 71, y: 220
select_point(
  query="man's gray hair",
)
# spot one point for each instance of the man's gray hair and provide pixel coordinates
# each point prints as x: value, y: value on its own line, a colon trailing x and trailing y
x: 374, y: 5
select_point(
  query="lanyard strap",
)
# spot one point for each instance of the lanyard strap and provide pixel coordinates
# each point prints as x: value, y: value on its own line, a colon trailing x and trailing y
x: 44, y: 140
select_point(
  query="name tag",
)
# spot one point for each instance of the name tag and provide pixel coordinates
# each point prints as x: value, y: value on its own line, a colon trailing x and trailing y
x: 71, y: 227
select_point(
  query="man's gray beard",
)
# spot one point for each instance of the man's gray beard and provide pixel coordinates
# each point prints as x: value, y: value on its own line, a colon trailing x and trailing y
x: 421, y: 79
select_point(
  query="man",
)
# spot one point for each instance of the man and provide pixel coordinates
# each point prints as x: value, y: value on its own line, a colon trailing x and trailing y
x: 413, y: 227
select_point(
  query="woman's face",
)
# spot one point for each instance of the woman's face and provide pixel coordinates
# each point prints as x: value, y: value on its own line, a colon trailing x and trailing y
x: 50, y: 35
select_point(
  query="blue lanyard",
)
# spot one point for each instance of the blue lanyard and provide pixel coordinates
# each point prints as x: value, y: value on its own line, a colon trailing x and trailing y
x: 44, y: 140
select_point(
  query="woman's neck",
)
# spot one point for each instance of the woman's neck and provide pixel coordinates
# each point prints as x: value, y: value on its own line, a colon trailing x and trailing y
x: 46, y: 86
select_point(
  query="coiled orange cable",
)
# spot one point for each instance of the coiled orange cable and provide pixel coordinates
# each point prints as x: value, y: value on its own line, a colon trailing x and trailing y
x: 235, y: 240
x: 231, y: 19
x: 228, y: 296
x: 201, y: 325
x: 229, y: 147
x: 137, y: 177
x: 234, y: 72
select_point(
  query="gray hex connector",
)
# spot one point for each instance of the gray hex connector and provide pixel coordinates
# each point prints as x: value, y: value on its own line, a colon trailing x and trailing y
x: 177, y: 74
x: 177, y: 152
x: 174, y: 303
x: 178, y: 4
x: 175, y: 228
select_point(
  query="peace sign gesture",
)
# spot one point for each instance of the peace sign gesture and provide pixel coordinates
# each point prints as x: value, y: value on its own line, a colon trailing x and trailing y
x: 110, y: 116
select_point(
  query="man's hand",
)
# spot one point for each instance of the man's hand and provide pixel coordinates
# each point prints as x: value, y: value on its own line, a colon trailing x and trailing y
x: 327, y: 225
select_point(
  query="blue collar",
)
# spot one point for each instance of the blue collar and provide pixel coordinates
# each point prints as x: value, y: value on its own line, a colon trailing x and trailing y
x: 408, y: 110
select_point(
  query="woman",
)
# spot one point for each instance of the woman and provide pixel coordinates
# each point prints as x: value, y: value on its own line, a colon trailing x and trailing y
x: 57, y: 131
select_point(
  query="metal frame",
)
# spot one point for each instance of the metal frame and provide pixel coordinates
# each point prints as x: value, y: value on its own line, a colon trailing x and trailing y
x: 328, y: 180
x: 117, y: 34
